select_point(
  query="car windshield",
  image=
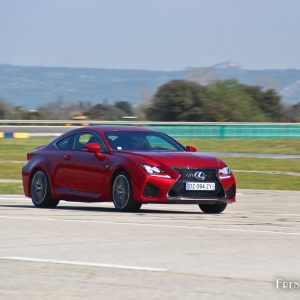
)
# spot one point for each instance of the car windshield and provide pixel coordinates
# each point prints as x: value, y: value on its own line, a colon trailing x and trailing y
x: 142, y: 141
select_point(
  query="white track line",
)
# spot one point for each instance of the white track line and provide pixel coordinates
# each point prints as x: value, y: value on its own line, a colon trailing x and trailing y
x: 154, y: 225
x: 81, y: 263
x: 10, y: 181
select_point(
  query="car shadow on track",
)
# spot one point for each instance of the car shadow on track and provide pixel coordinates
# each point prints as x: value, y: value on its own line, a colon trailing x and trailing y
x: 143, y: 211
x: 140, y: 212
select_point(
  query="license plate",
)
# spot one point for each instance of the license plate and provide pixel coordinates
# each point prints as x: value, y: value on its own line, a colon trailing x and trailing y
x: 200, y: 186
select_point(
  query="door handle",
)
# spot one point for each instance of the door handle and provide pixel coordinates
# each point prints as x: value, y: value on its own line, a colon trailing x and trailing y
x: 67, y: 157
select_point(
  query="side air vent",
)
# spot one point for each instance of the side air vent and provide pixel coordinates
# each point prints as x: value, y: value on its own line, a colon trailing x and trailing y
x: 151, y: 191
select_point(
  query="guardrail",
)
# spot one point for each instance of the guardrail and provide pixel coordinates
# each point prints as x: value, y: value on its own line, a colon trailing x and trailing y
x: 135, y: 123
x: 11, y: 128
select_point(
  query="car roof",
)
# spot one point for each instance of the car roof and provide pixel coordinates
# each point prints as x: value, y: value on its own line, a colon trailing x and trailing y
x: 106, y: 128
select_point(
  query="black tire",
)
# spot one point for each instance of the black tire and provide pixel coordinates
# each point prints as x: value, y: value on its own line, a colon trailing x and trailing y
x: 40, y: 191
x: 216, y: 208
x: 122, y: 196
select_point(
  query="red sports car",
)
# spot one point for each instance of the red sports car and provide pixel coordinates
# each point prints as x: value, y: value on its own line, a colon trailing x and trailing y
x: 127, y: 165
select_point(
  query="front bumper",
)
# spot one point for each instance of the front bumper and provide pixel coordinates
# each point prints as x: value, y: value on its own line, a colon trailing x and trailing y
x: 172, y: 190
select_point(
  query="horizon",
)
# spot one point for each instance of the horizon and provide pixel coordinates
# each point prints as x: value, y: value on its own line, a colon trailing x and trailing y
x: 149, y: 70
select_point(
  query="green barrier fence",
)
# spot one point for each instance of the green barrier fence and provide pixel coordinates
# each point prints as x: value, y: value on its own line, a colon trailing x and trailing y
x: 231, y: 131
x: 174, y: 129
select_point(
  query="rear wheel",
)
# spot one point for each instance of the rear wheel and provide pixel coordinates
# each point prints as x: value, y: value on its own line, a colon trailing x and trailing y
x: 213, y: 208
x: 40, y: 191
x: 122, y: 193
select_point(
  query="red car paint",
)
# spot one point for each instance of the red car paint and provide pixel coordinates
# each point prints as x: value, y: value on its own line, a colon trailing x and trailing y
x: 85, y: 175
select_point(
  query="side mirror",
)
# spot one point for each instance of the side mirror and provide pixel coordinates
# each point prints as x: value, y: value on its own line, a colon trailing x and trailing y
x: 94, y: 148
x: 191, y: 149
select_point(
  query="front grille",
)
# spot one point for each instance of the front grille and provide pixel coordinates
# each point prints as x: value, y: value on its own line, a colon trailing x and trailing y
x: 151, y: 191
x: 231, y: 192
x: 188, y: 175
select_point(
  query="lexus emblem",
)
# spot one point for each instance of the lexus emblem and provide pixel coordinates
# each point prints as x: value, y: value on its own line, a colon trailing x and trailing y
x: 199, y: 175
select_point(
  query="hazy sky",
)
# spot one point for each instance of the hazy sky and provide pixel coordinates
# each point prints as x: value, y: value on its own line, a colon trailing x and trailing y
x: 150, y: 34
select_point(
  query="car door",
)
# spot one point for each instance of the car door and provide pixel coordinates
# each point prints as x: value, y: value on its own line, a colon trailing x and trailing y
x: 84, y: 172
x: 58, y: 162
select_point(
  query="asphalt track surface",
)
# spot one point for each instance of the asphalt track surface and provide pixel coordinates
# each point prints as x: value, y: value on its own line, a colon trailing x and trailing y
x: 90, y: 251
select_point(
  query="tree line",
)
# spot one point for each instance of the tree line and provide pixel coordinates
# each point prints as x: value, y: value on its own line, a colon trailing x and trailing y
x: 68, y: 109
x: 177, y: 100
x: 220, y: 101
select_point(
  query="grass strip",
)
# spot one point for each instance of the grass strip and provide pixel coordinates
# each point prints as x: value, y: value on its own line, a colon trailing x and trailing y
x: 280, y: 146
x: 16, y: 149
x: 11, y: 189
x: 263, y: 164
x: 267, y: 182
x: 11, y: 170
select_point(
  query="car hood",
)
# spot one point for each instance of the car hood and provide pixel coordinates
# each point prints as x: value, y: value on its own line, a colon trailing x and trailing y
x: 174, y: 159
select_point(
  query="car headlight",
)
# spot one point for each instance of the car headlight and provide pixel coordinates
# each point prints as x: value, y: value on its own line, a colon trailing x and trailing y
x: 225, y: 172
x: 155, y: 171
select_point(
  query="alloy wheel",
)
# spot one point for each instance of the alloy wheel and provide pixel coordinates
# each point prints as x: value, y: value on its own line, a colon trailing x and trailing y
x: 121, y: 191
x: 39, y: 187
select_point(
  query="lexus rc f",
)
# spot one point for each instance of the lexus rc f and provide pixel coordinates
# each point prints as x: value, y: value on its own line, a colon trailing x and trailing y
x: 129, y: 166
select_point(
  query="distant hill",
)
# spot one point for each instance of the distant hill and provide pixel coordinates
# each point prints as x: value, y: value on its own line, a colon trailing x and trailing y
x: 34, y: 86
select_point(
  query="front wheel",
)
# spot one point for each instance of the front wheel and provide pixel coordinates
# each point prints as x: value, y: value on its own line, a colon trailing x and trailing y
x: 40, y: 191
x: 122, y: 193
x: 213, y: 208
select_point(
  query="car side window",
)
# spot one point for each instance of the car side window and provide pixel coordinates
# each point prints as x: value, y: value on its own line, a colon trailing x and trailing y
x: 66, y: 143
x: 87, y: 138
